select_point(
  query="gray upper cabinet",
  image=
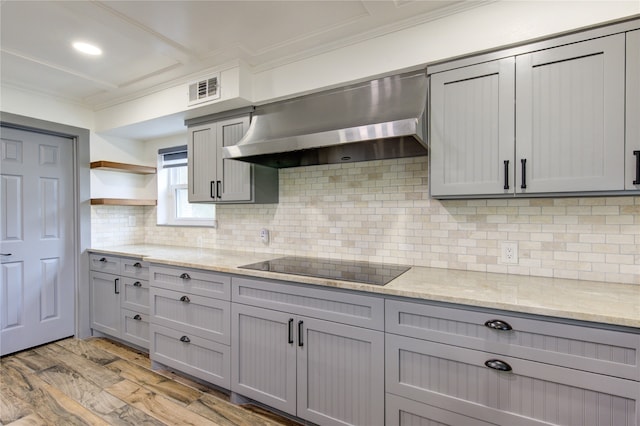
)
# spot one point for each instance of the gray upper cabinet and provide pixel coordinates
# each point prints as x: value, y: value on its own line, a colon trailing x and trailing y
x: 472, y: 129
x: 632, y: 149
x: 570, y: 117
x: 540, y: 119
x: 214, y: 179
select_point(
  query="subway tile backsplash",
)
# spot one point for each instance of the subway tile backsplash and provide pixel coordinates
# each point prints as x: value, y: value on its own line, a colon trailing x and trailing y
x: 380, y: 211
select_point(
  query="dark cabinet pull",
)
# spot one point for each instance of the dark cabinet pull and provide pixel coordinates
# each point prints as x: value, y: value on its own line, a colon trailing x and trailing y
x: 496, y: 364
x: 115, y: 286
x: 637, y: 154
x: 137, y: 318
x: 103, y: 259
x: 137, y: 284
x: 5, y: 254
x: 524, y: 173
x: 300, y: 341
x: 185, y: 276
x: 185, y: 339
x: 137, y: 265
x: 290, y: 341
x: 185, y: 299
x: 218, y: 188
x: 506, y: 174
x: 497, y: 324
x: 212, y: 189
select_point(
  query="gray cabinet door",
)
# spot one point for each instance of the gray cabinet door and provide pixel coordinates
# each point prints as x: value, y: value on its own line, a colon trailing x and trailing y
x: 234, y: 176
x: 632, y: 148
x: 340, y: 373
x: 264, y: 352
x: 406, y: 412
x: 570, y: 117
x: 202, y: 151
x: 472, y: 130
x: 105, y: 302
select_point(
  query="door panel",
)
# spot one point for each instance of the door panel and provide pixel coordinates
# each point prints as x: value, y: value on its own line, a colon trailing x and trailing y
x: 235, y: 175
x: 38, y: 278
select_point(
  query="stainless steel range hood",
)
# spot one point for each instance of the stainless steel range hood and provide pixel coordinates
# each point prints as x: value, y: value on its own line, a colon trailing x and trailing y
x: 378, y: 119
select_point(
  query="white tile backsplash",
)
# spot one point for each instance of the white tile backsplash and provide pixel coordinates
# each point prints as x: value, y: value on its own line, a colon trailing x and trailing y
x: 380, y: 211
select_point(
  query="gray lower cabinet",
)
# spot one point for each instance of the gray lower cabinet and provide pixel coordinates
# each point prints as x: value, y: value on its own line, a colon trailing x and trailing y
x: 190, y: 317
x: 407, y: 412
x: 323, y: 371
x: 500, y: 369
x: 119, y: 289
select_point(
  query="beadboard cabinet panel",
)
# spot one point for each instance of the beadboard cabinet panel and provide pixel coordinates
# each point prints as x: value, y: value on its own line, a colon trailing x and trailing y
x: 202, y: 358
x: 105, y: 303
x: 406, y: 412
x: 196, y: 315
x: 632, y: 148
x: 235, y: 175
x: 472, y: 129
x: 609, y: 352
x: 135, y: 327
x: 460, y: 380
x: 202, y: 148
x: 101, y: 263
x: 570, y: 117
x: 135, y: 295
x: 186, y: 280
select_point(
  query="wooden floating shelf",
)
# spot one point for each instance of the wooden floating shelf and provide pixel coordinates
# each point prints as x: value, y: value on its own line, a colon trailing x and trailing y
x: 123, y: 167
x: 121, y: 202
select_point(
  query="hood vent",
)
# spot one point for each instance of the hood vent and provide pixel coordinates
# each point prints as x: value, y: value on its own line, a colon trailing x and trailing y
x: 375, y: 120
x: 204, y: 90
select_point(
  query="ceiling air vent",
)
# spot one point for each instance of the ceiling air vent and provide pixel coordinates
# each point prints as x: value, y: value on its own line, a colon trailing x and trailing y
x: 204, y: 90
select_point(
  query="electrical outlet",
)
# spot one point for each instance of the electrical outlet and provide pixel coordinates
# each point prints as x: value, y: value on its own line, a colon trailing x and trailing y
x: 509, y: 252
x: 264, y: 235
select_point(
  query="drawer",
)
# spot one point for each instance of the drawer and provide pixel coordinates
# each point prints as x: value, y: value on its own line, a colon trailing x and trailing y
x: 610, y: 352
x: 332, y: 305
x: 457, y: 379
x: 103, y: 263
x: 192, y: 314
x: 135, y: 295
x: 134, y: 268
x: 201, y: 358
x: 406, y: 412
x: 135, y: 328
x: 208, y: 284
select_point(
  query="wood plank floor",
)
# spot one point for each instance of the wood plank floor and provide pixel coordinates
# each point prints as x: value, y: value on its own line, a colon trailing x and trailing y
x: 100, y: 382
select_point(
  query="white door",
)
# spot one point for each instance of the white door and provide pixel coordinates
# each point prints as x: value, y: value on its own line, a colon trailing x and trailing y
x: 37, y: 285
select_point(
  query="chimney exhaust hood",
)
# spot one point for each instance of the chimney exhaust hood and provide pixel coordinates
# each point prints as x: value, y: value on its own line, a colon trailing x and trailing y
x: 374, y: 120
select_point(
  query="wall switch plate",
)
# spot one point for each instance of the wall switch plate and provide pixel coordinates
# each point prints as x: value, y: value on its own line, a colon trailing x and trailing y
x: 264, y: 235
x: 509, y: 252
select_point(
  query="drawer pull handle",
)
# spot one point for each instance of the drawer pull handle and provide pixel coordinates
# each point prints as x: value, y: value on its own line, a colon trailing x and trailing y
x: 498, y: 325
x: 496, y: 364
x: 137, y: 284
x: 300, y: 333
x: 185, y: 299
x: 637, y: 155
x: 506, y: 174
x: 290, y: 341
x: 137, y: 265
x: 185, y: 276
x: 137, y: 318
x: 524, y: 173
x: 103, y: 259
x: 185, y: 339
x: 115, y: 286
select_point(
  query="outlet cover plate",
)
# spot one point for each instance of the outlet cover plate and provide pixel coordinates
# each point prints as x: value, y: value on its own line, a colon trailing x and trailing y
x: 509, y: 252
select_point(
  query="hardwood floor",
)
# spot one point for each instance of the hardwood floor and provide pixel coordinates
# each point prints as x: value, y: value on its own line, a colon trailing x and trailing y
x: 100, y: 382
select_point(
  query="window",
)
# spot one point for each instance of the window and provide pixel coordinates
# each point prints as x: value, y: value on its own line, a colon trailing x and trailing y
x: 173, y: 197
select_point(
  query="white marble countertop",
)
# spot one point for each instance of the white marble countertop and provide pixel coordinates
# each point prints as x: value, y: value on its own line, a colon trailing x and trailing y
x: 601, y: 302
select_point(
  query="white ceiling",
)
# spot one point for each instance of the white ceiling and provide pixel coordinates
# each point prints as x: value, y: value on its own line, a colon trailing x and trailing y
x: 152, y: 44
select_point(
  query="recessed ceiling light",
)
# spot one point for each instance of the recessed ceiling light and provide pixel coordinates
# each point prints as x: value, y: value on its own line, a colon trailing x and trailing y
x: 87, y: 48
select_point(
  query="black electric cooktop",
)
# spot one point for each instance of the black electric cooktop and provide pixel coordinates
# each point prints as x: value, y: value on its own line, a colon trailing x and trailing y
x: 342, y: 270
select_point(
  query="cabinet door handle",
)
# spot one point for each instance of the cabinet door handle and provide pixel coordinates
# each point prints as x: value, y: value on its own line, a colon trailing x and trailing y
x: 499, y: 325
x: 300, y: 332
x: 212, y: 189
x: 506, y: 174
x: 219, y: 188
x: 137, y: 284
x: 637, y: 154
x: 185, y: 339
x: 137, y: 265
x: 137, y: 317
x: 115, y: 286
x: 5, y: 254
x: 497, y: 364
x: 103, y: 259
x: 524, y: 173
x: 185, y: 276
x: 185, y: 299
x: 290, y: 341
